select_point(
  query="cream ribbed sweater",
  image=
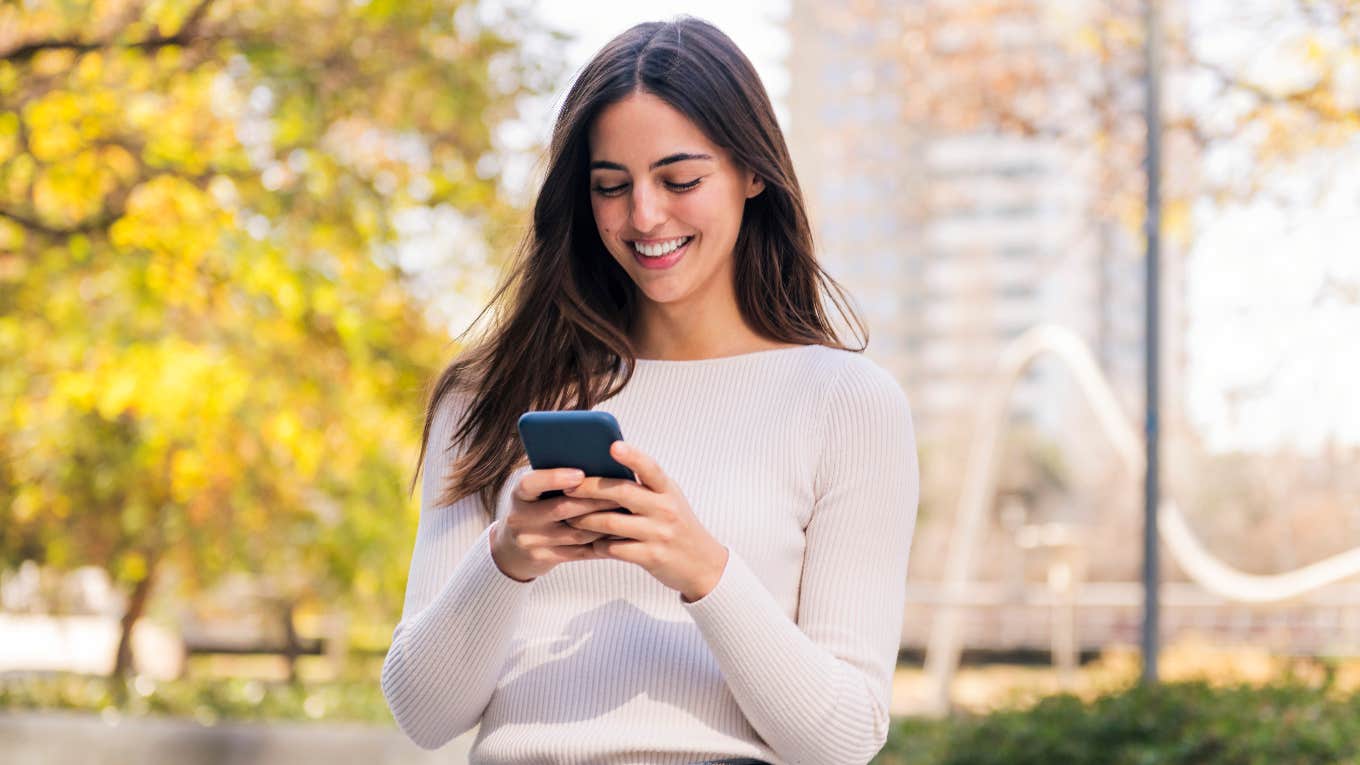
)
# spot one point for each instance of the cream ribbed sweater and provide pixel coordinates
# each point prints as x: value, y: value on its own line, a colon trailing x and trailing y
x: 802, y: 461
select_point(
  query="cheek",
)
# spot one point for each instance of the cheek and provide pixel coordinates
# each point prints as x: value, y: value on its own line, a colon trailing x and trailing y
x: 607, y: 224
x: 707, y: 210
x: 606, y: 219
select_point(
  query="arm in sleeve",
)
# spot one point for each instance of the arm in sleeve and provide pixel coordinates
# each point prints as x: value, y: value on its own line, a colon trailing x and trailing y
x: 818, y: 691
x: 459, y: 614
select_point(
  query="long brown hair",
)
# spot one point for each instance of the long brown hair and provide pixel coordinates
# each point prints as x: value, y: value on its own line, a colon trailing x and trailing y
x: 563, y: 314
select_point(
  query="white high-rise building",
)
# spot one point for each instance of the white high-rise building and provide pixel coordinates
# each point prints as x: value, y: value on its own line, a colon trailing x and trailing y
x: 954, y: 244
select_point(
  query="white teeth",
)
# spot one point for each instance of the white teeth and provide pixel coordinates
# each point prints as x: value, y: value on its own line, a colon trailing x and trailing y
x: 660, y: 248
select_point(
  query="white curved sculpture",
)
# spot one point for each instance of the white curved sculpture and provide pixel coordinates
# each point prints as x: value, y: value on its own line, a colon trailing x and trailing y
x: 942, y: 650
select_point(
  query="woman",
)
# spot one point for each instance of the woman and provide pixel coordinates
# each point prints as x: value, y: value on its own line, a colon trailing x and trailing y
x: 750, y: 608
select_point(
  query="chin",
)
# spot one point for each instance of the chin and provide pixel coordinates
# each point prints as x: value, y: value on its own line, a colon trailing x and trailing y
x: 663, y: 295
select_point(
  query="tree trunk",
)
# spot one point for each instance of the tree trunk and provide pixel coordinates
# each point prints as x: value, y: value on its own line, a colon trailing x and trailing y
x: 291, y: 645
x: 141, y: 591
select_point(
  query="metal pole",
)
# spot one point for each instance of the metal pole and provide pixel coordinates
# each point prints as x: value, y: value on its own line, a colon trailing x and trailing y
x: 1151, y: 600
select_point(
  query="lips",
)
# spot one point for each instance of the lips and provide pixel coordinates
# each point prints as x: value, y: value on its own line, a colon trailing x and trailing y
x: 663, y: 262
x: 659, y: 240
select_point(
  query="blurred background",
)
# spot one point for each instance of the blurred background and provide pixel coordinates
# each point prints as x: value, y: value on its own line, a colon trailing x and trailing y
x: 237, y: 239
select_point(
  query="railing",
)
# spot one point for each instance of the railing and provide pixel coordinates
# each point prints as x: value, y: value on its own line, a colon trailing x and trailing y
x: 942, y: 650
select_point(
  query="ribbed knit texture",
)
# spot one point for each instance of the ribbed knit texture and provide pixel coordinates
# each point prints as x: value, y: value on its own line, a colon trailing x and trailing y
x: 802, y: 462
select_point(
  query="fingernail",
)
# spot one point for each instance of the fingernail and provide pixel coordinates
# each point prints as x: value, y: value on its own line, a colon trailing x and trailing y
x: 621, y: 446
x: 576, y: 475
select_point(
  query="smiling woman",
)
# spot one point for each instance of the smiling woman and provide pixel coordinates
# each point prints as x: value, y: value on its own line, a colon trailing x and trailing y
x: 648, y: 211
x: 749, y: 606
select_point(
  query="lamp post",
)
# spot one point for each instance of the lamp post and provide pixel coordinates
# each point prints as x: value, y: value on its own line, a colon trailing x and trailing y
x: 1152, y: 230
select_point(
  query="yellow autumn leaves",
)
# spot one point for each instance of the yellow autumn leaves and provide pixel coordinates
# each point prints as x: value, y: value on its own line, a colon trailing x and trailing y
x: 210, y: 361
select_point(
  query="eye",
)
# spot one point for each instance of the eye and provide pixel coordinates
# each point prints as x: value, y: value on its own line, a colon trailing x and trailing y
x: 613, y: 191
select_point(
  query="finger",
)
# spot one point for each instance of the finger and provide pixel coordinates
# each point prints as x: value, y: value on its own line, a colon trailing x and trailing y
x: 627, y: 550
x: 563, y: 536
x: 568, y: 535
x: 577, y: 552
x: 643, y: 466
x: 615, y: 524
x: 535, y: 482
x: 572, y: 507
x: 621, y: 493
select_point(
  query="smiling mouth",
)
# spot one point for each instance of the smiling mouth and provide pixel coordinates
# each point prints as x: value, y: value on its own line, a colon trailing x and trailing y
x: 661, y: 247
x: 657, y: 258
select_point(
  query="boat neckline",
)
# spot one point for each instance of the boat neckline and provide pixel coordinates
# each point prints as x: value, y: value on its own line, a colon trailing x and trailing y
x: 720, y: 359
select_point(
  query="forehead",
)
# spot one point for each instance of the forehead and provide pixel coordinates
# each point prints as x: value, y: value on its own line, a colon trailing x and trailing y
x: 642, y: 128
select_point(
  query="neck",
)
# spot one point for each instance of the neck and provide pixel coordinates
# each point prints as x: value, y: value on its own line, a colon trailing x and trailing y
x: 706, y: 326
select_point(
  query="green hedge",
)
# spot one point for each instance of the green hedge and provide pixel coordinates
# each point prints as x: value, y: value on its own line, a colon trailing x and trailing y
x: 207, y: 699
x: 1287, y: 722
x: 1167, y: 724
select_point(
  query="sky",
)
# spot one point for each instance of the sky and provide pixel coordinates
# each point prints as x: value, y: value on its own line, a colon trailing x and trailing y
x: 1273, y: 349
x: 1273, y: 341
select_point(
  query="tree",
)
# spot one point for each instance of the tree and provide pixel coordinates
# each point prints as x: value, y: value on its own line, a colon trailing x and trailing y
x: 1074, y: 72
x: 221, y: 366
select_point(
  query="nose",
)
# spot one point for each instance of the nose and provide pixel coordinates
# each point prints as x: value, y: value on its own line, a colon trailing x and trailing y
x: 648, y: 208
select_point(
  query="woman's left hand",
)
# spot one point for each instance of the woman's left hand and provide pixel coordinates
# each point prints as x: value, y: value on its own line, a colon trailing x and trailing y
x: 662, y: 535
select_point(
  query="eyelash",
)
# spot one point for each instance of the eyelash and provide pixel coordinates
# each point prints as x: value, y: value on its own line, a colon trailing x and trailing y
x: 609, y: 191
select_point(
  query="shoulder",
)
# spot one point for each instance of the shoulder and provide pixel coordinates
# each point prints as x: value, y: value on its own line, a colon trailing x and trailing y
x: 853, y: 379
x: 865, y: 423
x: 861, y: 403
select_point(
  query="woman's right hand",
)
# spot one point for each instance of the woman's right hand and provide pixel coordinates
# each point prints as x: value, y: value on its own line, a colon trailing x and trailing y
x: 532, y: 538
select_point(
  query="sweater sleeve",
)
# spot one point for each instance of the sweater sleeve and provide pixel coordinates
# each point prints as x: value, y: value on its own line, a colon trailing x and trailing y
x: 819, y: 690
x: 460, y: 609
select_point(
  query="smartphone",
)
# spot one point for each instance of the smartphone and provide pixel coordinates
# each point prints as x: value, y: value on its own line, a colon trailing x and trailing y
x: 572, y: 439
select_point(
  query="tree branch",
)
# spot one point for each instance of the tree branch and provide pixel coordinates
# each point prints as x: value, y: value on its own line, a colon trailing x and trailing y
x: 36, y: 226
x: 1300, y: 99
x: 187, y: 33
x: 115, y: 208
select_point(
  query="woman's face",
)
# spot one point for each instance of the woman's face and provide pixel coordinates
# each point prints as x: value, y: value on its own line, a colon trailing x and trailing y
x: 655, y: 179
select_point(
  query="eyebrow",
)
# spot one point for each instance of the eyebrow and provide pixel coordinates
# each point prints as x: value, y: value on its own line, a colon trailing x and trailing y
x: 601, y: 164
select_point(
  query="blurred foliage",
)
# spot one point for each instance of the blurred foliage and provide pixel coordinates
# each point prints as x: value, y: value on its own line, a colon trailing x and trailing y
x: 204, y: 699
x: 1287, y: 721
x: 1074, y: 73
x: 220, y: 366
x: 1192, y: 722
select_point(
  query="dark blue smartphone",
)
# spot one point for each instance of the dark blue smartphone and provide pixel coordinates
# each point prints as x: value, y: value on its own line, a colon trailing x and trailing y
x: 572, y: 439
